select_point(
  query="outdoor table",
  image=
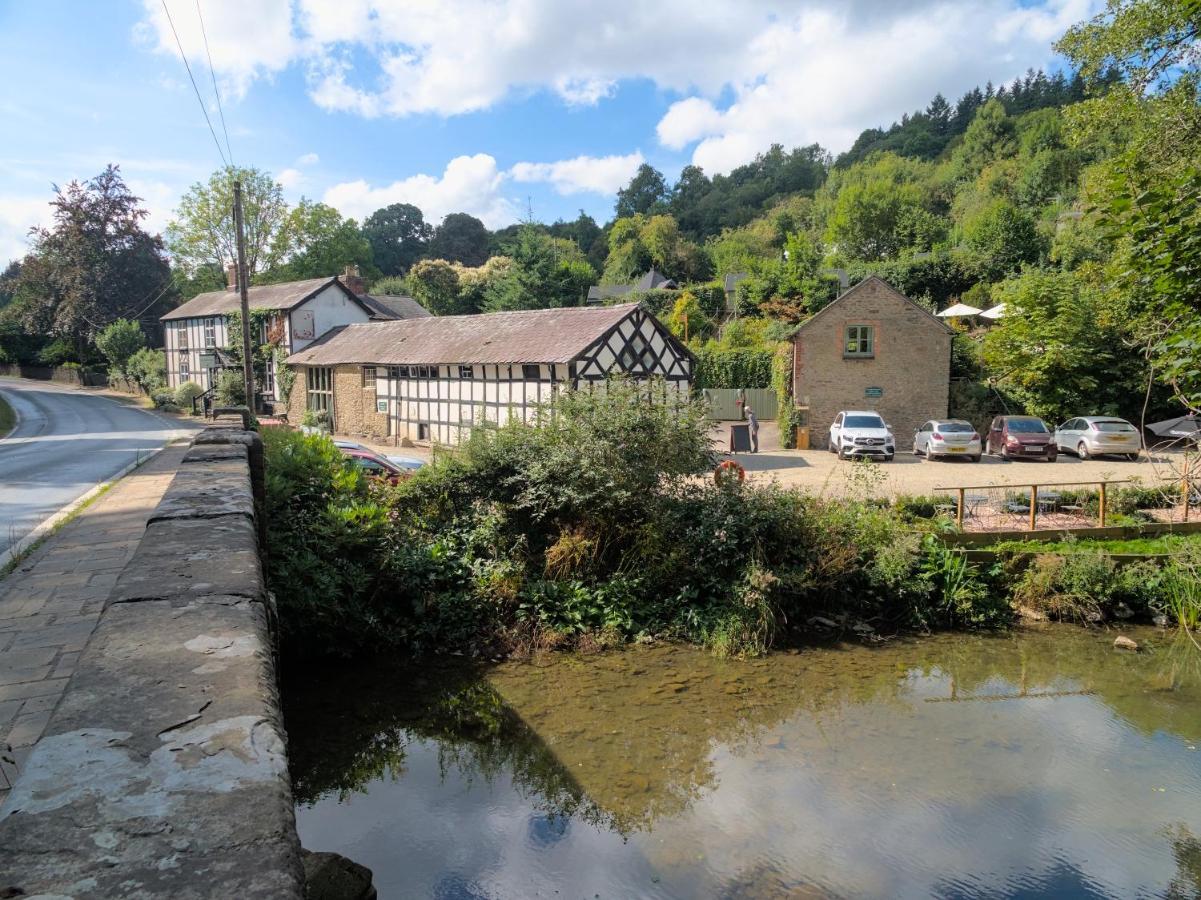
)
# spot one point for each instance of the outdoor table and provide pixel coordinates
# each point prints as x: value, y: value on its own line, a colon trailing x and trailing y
x: 1048, y: 501
x: 972, y: 504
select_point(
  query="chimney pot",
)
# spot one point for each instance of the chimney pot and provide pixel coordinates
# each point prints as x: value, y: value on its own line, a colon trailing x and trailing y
x: 353, y: 280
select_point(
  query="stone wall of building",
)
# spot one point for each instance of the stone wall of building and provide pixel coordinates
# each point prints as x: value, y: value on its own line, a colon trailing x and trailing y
x: 354, y: 405
x: 163, y: 770
x: 910, y: 369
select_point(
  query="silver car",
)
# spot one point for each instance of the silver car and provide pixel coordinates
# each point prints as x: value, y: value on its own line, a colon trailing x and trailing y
x: 1095, y: 435
x: 947, y: 437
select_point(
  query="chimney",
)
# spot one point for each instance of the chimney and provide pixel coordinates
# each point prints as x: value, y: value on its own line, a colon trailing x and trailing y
x: 231, y: 277
x: 351, y: 278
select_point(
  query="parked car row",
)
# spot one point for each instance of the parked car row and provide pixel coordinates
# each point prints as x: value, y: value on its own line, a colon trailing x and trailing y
x: 865, y: 433
x: 375, y: 465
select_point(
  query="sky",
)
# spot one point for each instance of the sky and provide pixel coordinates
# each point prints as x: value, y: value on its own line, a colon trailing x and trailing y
x: 499, y: 108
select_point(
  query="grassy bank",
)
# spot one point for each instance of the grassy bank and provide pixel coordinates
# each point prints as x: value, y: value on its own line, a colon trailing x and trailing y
x: 603, y: 525
x: 8, y: 418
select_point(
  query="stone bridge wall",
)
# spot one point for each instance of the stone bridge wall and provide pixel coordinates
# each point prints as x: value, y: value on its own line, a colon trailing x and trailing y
x: 163, y: 771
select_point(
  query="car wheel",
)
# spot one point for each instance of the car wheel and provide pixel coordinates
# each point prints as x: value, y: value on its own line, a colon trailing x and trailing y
x: 1133, y: 457
x: 977, y: 457
x: 1082, y: 450
x: 1005, y: 453
x: 888, y: 457
x: 916, y: 452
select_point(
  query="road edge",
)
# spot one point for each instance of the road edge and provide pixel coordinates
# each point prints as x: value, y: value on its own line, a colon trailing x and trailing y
x: 10, y: 558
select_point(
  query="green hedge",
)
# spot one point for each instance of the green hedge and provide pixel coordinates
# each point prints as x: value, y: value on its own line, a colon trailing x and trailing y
x: 742, y: 368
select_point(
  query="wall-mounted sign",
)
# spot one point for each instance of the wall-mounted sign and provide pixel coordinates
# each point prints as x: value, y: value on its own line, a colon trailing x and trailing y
x: 873, y: 392
x: 303, y: 327
x: 208, y: 360
x: 381, y: 406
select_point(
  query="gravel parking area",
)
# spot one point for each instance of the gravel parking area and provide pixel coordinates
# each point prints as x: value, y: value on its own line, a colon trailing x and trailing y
x: 821, y: 472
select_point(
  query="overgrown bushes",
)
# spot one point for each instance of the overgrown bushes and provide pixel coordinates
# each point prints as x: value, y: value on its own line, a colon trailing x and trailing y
x: 737, y: 368
x: 587, y: 528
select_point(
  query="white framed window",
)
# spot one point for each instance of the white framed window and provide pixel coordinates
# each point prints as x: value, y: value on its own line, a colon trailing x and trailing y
x: 210, y: 332
x: 860, y: 341
x: 185, y: 370
x: 181, y: 334
x: 369, y: 376
x: 319, y: 382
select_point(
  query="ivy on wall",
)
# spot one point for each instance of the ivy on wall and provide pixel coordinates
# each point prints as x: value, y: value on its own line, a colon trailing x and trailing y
x: 739, y: 368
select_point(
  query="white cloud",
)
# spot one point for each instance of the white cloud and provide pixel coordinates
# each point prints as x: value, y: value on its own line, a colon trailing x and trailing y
x: 17, y: 216
x: 828, y: 72
x: 290, y: 178
x: 595, y: 174
x: 308, y: 159
x: 470, y: 184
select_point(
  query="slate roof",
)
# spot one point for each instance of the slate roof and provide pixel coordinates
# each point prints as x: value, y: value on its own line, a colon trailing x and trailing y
x: 388, y: 306
x: 284, y: 296
x: 652, y: 280
x: 528, y: 336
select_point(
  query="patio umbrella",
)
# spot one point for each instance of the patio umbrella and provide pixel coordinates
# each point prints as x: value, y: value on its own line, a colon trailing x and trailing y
x: 958, y: 310
x: 993, y: 312
x: 1182, y: 426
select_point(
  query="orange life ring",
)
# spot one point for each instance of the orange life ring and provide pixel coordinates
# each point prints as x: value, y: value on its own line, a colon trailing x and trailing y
x: 725, y: 469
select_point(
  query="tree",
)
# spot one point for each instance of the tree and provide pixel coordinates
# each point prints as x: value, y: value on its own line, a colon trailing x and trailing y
x: 545, y: 272
x: 1003, y: 237
x: 877, y: 208
x: 118, y: 342
x: 460, y: 238
x: 639, y: 242
x: 646, y: 192
x: 434, y: 284
x: 399, y: 236
x: 8, y: 282
x: 314, y: 241
x: 1147, y: 42
x: 92, y: 266
x: 991, y: 136
x: 1057, y: 349
x: 202, y: 232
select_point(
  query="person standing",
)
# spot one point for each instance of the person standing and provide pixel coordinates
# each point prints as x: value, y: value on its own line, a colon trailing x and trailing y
x: 753, y: 422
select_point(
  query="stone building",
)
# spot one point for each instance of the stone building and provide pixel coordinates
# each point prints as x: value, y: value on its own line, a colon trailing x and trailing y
x: 872, y: 348
x: 433, y: 379
x: 196, y: 333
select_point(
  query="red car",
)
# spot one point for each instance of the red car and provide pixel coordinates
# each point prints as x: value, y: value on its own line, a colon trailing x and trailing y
x: 375, y: 466
x: 1021, y: 437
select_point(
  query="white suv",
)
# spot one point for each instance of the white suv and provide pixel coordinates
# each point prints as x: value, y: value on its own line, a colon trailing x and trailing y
x: 861, y: 433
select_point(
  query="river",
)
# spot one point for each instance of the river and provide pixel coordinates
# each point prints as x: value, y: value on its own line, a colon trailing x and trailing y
x: 1036, y: 763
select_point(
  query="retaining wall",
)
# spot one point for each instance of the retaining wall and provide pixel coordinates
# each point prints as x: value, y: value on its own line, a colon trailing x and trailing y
x: 163, y: 771
x: 60, y: 374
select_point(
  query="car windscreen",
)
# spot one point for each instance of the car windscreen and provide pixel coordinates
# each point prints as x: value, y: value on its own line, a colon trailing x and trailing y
x: 863, y: 422
x: 1113, y: 426
x: 1027, y: 426
x: 955, y: 428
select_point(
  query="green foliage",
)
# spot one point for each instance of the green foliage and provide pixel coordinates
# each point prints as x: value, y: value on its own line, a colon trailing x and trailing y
x: 646, y: 193
x: 544, y: 272
x: 230, y: 389
x: 285, y: 375
x: 1003, y: 238
x: 739, y: 368
x: 202, y: 232
x: 148, y: 369
x: 1087, y: 586
x: 118, y: 342
x: 398, y: 235
x: 638, y: 242
x: 186, y: 393
x: 434, y: 283
x: 990, y: 137
x: 314, y: 241
x: 461, y: 238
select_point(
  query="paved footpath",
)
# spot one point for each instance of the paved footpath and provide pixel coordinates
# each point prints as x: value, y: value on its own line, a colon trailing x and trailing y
x: 51, y: 603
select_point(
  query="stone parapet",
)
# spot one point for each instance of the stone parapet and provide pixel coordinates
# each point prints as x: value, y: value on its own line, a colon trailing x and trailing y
x: 163, y: 770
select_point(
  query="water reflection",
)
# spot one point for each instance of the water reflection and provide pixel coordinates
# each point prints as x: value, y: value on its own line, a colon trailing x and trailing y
x: 1036, y: 764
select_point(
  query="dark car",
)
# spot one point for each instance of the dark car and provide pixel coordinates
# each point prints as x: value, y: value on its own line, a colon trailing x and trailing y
x: 375, y: 466
x: 1021, y: 437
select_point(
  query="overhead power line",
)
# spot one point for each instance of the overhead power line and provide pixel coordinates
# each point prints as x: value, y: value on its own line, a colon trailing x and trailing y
x: 213, y: 75
x: 191, y: 78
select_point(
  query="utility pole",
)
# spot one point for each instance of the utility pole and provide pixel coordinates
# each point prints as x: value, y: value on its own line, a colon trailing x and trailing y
x: 247, y: 362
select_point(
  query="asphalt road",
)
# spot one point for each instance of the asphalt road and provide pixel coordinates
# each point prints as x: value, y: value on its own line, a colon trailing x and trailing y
x: 66, y: 442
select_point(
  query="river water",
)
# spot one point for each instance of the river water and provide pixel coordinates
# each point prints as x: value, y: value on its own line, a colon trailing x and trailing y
x: 1036, y: 763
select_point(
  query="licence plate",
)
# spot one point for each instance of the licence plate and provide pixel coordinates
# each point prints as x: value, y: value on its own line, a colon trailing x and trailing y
x: 956, y: 449
x: 1036, y: 449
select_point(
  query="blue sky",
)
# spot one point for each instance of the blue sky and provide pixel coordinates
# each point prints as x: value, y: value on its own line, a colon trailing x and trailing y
x: 483, y: 106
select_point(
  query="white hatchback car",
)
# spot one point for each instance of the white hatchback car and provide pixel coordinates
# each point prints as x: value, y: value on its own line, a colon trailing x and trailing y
x: 861, y: 433
x: 947, y: 437
x: 1094, y: 435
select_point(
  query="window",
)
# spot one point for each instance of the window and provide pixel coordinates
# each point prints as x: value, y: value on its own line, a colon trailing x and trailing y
x: 369, y: 376
x: 319, y: 382
x: 185, y: 371
x: 210, y: 332
x: 466, y: 372
x: 861, y: 341
x: 531, y: 372
x: 181, y: 335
